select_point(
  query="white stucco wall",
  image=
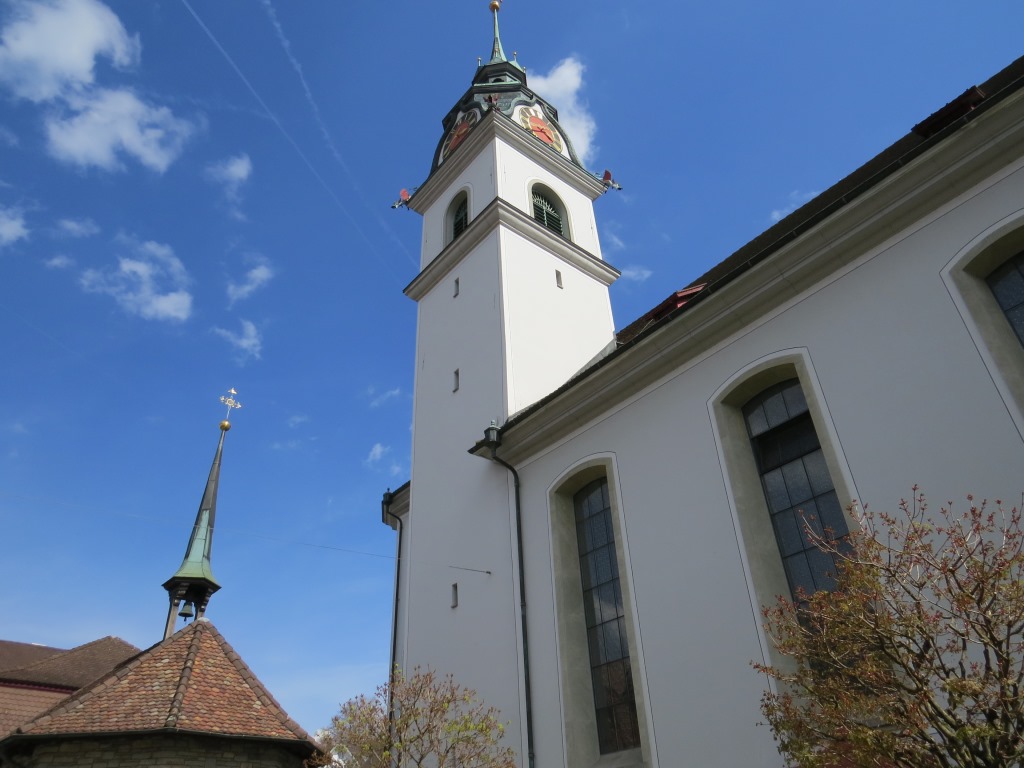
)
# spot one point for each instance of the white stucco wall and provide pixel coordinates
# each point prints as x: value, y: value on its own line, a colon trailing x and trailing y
x: 910, y: 400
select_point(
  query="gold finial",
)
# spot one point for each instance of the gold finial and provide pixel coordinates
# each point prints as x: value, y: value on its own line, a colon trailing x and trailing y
x: 495, y: 5
x: 231, y: 403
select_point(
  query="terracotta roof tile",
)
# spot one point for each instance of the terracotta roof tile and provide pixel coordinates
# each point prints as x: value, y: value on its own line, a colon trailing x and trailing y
x: 75, y: 668
x: 193, y: 681
x: 20, y: 704
x: 14, y: 655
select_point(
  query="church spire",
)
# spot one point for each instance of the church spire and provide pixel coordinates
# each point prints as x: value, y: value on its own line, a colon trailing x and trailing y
x: 193, y: 584
x: 497, y: 53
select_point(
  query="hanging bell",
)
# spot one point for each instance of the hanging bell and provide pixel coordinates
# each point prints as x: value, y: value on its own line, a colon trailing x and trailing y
x: 186, y: 612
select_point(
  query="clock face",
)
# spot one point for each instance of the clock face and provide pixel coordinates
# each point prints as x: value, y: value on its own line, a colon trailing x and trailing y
x: 533, y: 120
x: 463, y: 125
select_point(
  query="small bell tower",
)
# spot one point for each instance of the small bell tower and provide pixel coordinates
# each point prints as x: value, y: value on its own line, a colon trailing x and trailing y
x: 192, y: 585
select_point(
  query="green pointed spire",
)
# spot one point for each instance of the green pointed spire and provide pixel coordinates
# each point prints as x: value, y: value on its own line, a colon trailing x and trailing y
x: 193, y: 584
x: 497, y: 53
x: 196, y: 564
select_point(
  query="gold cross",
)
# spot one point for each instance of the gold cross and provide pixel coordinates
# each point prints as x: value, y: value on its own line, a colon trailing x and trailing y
x: 229, y: 401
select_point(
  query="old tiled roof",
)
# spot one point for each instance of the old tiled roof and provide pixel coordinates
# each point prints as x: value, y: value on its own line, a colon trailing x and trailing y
x: 13, y: 655
x: 75, y: 668
x: 20, y: 704
x: 193, y: 681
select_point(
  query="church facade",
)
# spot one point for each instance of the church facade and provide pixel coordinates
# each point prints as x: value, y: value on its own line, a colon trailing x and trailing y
x: 594, y: 519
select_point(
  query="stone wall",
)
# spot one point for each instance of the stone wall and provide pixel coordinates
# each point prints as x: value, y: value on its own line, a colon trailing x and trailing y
x: 150, y: 751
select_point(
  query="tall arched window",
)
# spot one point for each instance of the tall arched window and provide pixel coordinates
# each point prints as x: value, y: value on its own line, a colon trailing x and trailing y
x: 458, y: 216
x: 612, y: 676
x: 1007, y: 284
x: 549, y: 211
x: 796, y: 483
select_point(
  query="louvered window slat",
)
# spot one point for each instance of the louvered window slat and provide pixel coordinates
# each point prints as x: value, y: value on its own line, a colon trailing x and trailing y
x: 545, y: 213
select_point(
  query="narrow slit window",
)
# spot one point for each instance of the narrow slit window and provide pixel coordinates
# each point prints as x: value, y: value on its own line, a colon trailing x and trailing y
x: 455, y: 381
x: 456, y: 290
x: 558, y: 278
x: 455, y: 595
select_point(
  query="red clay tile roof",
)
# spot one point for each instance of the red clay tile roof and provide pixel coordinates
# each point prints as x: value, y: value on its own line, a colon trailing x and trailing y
x: 75, y: 668
x: 193, y: 681
x: 13, y: 655
x: 20, y: 704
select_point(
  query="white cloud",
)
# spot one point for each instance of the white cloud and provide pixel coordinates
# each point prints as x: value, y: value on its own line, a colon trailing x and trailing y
x: 377, y: 453
x: 378, y: 399
x: 297, y: 420
x: 562, y: 86
x: 231, y: 174
x: 48, y: 55
x: 255, y: 278
x: 150, y: 282
x: 636, y: 273
x: 796, y: 199
x: 50, y: 48
x: 248, y: 343
x: 12, y: 226
x: 78, y: 227
x: 100, y: 126
x: 60, y: 261
x: 8, y: 137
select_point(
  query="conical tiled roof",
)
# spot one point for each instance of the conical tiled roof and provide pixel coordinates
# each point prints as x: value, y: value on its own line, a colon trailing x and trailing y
x: 192, y: 682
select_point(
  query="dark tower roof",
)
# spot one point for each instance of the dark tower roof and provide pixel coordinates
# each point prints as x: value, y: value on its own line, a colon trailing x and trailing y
x: 498, y: 85
x: 193, y: 583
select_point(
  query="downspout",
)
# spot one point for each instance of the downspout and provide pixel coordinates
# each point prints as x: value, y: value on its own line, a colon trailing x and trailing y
x: 385, y: 505
x: 492, y: 440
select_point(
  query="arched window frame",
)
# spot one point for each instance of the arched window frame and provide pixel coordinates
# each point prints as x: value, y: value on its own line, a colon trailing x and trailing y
x: 577, y: 691
x: 549, y: 211
x: 966, y: 279
x: 457, y: 216
x: 759, y: 552
x: 797, y: 484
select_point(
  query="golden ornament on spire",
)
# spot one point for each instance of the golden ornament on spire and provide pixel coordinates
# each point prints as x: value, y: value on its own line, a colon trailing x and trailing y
x: 495, y: 5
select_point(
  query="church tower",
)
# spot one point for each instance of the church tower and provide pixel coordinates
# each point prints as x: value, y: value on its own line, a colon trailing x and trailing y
x: 192, y: 585
x: 512, y: 302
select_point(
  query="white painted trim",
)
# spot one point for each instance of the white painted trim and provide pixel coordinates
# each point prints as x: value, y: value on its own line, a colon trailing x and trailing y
x: 974, y: 302
x: 500, y: 214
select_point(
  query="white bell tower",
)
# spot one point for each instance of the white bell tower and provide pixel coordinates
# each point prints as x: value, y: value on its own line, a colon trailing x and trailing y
x: 512, y: 302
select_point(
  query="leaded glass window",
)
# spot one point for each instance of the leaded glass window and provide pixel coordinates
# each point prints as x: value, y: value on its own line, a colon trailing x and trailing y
x: 614, y: 701
x: 1007, y: 284
x: 796, y: 482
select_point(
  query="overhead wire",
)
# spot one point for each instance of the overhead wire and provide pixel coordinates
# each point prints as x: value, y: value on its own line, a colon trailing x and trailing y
x: 284, y: 132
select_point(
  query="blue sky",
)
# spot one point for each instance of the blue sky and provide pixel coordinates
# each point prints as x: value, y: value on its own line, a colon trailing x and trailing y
x: 194, y: 196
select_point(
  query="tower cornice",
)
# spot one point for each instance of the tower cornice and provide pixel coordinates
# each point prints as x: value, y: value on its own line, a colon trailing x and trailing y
x: 501, y: 214
x: 496, y: 125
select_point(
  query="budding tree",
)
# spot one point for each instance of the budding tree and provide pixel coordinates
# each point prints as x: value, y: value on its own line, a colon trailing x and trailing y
x: 419, y: 720
x: 916, y: 659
